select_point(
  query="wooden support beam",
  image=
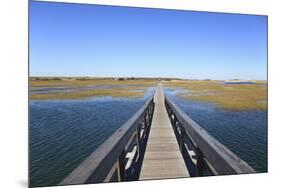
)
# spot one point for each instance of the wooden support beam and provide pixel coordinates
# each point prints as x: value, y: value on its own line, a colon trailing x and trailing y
x: 182, y: 137
x: 199, y: 162
x: 138, y: 139
x: 121, y: 166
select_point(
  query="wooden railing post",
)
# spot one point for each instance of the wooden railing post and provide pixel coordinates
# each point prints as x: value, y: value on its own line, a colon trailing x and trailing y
x: 147, y: 118
x: 174, y: 119
x: 174, y: 122
x: 182, y: 136
x: 151, y: 110
x: 199, y: 162
x: 170, y: 113
x: 121, y: 166
x: 138, y: 139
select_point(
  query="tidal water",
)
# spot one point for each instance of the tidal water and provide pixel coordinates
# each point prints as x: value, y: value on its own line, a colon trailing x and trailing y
x: 62, y: 133
x: 243, y: 132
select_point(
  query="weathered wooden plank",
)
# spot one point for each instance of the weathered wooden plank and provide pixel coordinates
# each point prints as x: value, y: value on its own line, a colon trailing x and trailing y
x: 162, y: 158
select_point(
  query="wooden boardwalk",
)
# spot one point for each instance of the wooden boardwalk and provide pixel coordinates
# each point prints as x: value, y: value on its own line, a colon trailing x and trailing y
x: 162, y: 158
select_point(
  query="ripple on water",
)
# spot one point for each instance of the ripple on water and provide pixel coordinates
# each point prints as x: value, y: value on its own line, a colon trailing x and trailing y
x: 63, y: 133
x: 243, y: 132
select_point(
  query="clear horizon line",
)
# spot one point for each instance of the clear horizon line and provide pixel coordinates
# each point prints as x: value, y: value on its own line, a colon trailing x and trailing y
x: 150, y: 77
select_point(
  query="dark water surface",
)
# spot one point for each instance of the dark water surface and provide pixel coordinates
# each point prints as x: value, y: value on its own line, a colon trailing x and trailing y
x: 243, y: 132
x: 64, y: 132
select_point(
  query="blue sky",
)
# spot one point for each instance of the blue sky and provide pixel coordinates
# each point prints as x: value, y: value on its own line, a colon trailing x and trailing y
x: 93, y: 40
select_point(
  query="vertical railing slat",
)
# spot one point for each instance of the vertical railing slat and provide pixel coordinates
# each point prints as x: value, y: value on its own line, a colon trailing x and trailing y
x: 199, y: 162
x: 121, y: 166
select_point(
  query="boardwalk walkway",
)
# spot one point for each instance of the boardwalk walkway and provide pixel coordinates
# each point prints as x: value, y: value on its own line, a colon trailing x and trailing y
x: 162, y: 158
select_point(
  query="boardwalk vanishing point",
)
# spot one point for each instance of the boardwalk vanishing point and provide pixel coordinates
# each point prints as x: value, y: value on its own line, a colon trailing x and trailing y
x: 162, y: 158
x: 158, y: 142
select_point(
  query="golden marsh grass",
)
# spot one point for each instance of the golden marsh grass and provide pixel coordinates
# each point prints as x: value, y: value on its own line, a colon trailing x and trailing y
x: 75, y: 82
x: 87, y: 94
x: 227, y: 96
x: 129, y: 88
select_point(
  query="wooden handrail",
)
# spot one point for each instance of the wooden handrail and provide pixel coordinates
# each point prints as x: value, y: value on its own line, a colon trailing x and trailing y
x: 109, y: 158
x: 108, y: 162
x: 209, y: 153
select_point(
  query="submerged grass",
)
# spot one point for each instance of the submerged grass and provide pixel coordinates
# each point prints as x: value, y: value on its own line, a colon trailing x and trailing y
x: 227, y: 96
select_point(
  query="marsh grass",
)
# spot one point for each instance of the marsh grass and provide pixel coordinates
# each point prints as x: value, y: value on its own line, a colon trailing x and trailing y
x: 87, y: 94
x: 227, y: 96
x: 129, y: 88
x: 90, y: 82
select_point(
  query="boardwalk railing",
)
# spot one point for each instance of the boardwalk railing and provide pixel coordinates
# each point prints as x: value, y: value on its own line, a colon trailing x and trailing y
x: 203, y: 154
x: 117, y: 157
